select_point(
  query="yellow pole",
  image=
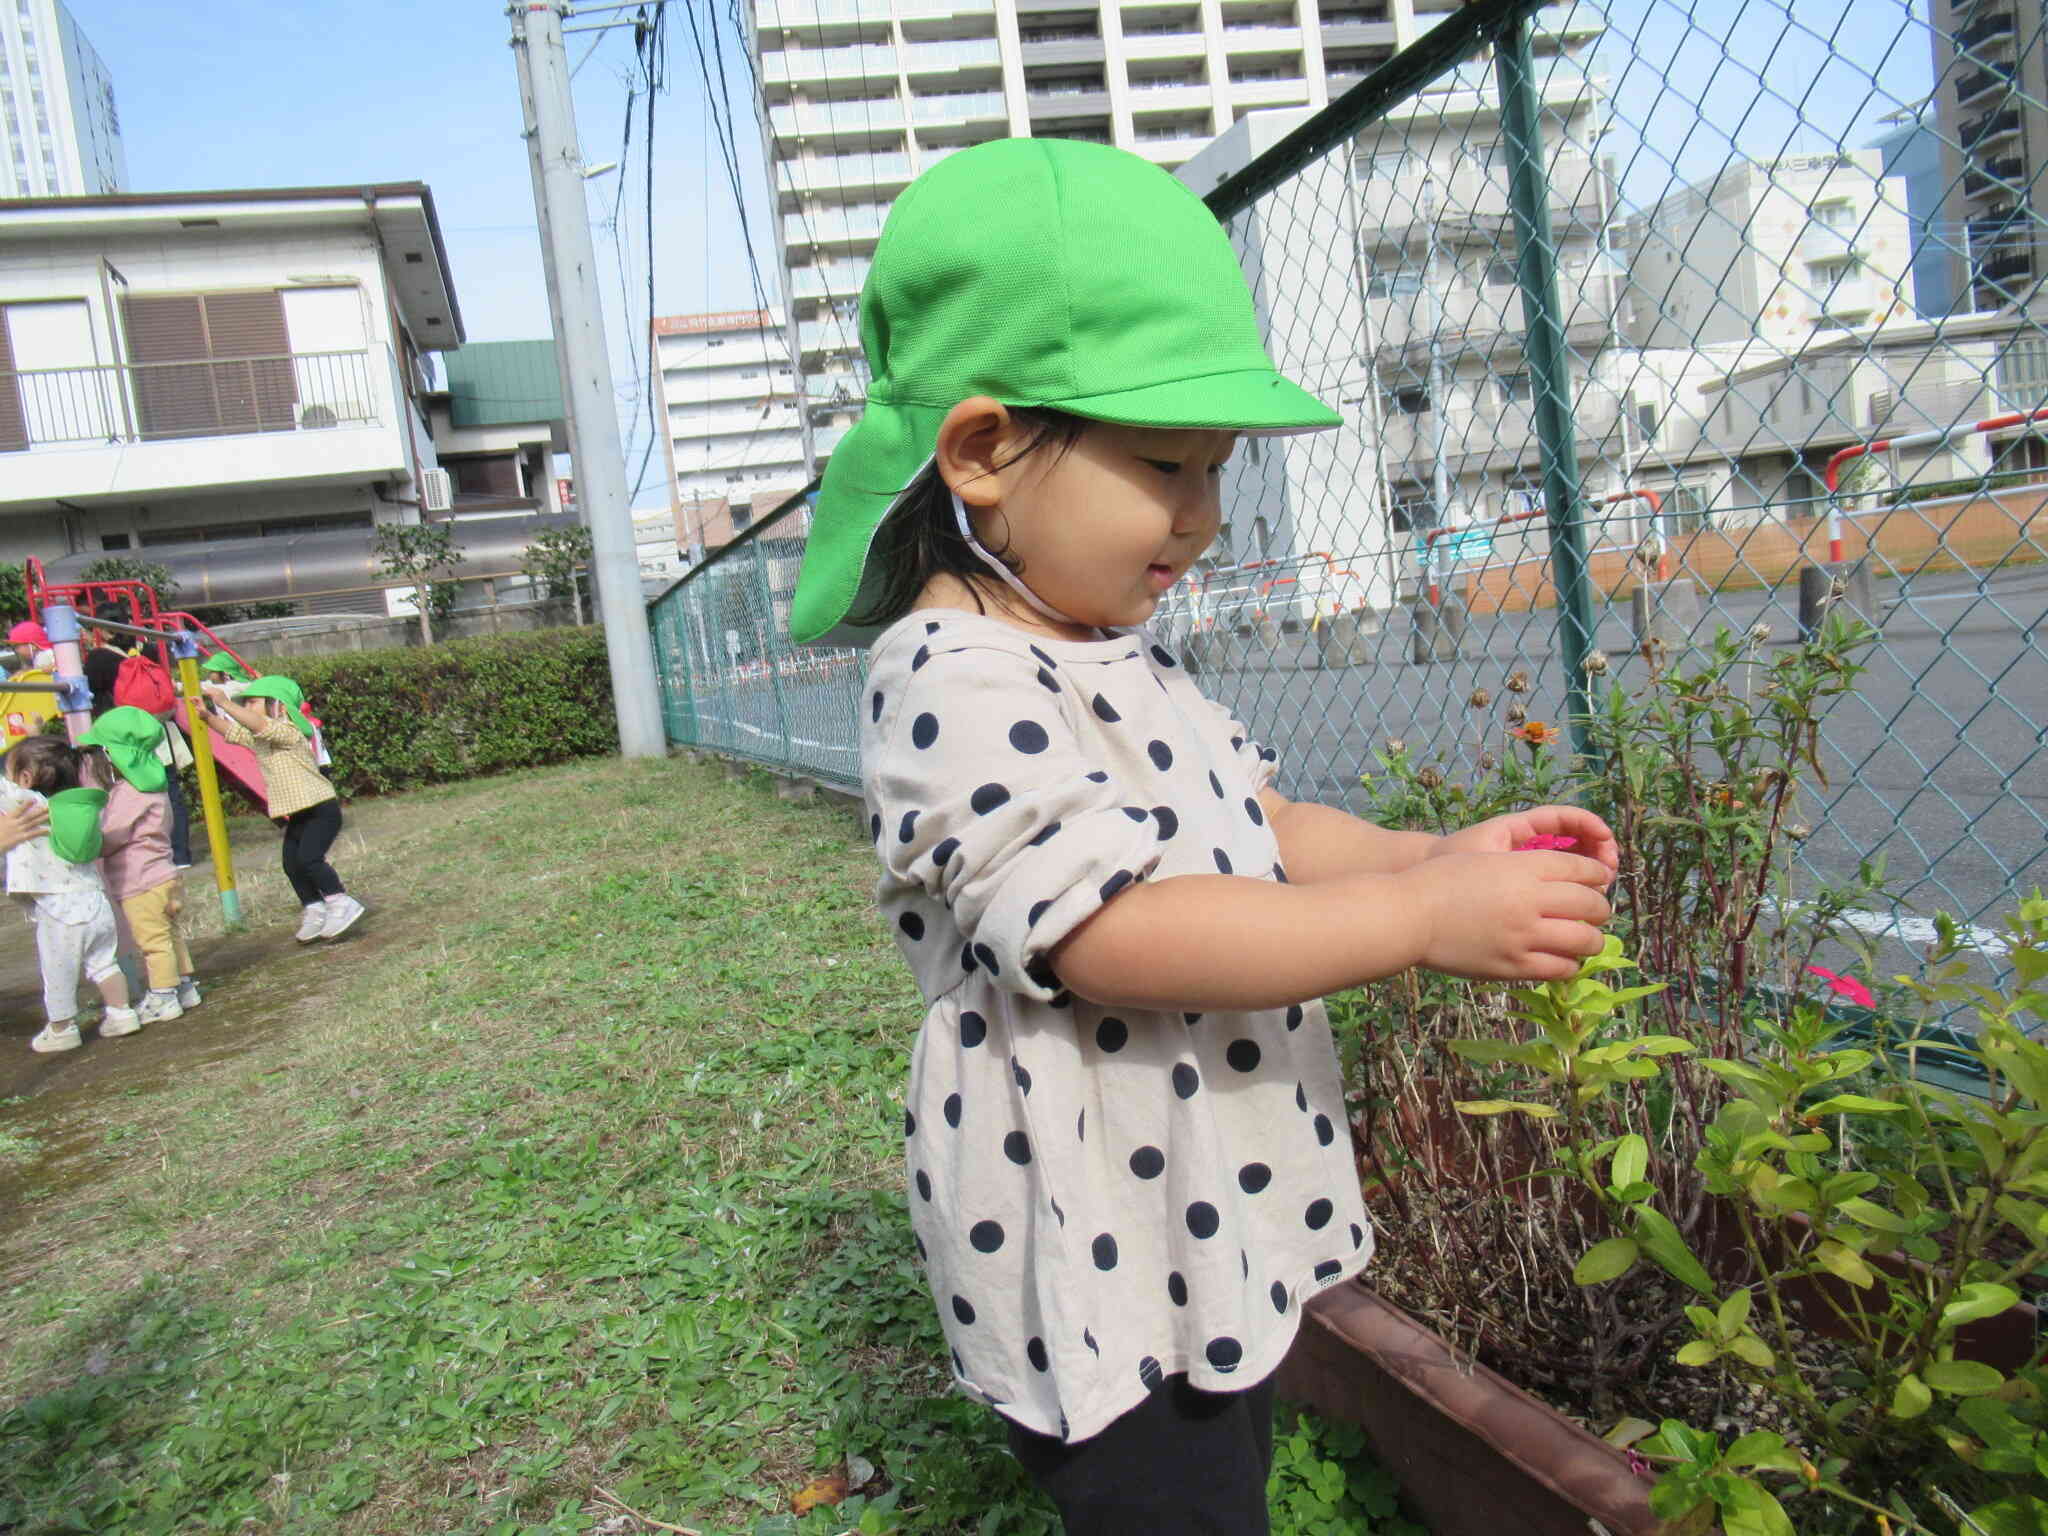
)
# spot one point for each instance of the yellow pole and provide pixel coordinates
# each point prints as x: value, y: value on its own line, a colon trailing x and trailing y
x: 209, y: 793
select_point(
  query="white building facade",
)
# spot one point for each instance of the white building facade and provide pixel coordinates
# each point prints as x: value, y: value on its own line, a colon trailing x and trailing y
x: 208, y: 366
x: 729, y: 403
x: 60, y: 135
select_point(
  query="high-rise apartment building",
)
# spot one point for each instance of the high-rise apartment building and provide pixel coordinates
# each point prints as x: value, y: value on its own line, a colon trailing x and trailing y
x: 1990, y: 83
x: 859, y: 96
x: 727, y: 399
x: 59, y: 133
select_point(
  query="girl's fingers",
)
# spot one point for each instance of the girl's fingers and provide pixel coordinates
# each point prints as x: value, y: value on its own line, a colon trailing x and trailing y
x: 1559, y: 936
x: 1562, y: 898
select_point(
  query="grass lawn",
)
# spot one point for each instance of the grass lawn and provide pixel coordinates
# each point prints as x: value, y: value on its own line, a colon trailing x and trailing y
x: 567, y: 1199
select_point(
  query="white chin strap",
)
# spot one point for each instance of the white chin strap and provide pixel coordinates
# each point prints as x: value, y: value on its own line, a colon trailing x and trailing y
x: 1009, y: 576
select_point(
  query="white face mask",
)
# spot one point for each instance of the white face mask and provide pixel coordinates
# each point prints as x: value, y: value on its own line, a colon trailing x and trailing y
x: 1009, y: 576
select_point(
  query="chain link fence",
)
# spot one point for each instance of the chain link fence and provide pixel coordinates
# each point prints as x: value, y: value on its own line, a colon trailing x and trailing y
x: 1645, y: 320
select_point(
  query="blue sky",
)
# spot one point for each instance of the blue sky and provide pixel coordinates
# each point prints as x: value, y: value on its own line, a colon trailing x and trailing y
x: 285, y: 92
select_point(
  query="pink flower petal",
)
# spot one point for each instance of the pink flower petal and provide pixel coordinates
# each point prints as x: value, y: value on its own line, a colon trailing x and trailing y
x: 1844, y: 986
x: 1543, y: 840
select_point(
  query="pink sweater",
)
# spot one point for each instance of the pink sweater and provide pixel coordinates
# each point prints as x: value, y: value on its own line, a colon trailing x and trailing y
x: 135, y: 841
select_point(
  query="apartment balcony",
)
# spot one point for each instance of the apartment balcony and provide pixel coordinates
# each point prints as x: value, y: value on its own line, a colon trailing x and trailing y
x: 1169, y: 96
x: 1063, y: 105
x: 1980, y: 83
x: 846, y: 173
x: 1465, y: 315
x: 831, y: 226
x: 1073, y: 51
x: 745, y: 421
x: 1822, y: 244
x: 2005, y: 264
x: 875, y: 63
x: 1283, y: 91
x: 1996, y: 177
x: 1467, y: 194
x: 964, y: 57
x: 877, y: 115
x: 141, y: 429
x: 959, y: 107
x: 814, y: 18
x: 1493, y: 437
x: 1172, y: 151
x: 1164, y: 45
x: 1990, y: 127
x: 1243, y: 40
x: 841, y: 280
x: 815, y: 337
x: 1984, y: 29
x: 825, y: 439
x: 833, y: 386
x: 1358, y: 34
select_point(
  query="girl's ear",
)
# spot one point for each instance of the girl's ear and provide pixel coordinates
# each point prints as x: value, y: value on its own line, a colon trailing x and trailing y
x: 978, y: 437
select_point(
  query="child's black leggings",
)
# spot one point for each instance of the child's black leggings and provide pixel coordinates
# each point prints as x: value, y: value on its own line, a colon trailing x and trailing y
x: 1182, y: 1463
x: 308, y: 834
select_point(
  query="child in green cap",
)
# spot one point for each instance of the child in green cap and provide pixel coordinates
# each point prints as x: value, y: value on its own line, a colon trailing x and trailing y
x: 270, y: 720
x: 56, y: 879
x: 136, y: 860
x: 1126, y: 1135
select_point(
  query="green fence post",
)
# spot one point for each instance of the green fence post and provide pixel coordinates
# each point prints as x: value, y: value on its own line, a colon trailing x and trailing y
x: 1528, y: 193
x: 771, y: 651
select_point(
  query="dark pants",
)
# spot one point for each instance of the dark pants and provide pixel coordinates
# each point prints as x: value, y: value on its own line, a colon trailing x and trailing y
x: 308, y: 834
x: 1182, y: 1463
x: 181, y: 820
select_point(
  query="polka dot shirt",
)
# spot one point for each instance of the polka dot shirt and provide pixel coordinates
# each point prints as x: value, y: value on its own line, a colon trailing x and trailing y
x: 1102, y: 1197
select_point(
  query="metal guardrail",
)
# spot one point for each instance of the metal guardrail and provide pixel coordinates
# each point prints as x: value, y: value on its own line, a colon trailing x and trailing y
x: 209, y: 397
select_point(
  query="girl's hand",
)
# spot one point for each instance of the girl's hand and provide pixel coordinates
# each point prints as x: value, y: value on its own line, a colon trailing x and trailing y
x: 1509, y: 916
x: 22, y: 824
x: 1504, y: 834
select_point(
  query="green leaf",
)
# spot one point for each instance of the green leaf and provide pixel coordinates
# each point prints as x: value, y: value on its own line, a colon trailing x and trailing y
x: 1682, y: 1443
x: 1962, y: 1378
x: 1606, y: 1261
x: 1854, y: 1104
x: 1661, y: 1240
x: 2020, y: 1515
x: 1912, y: 1398
x: 1758, y: 1514
x: 1527, y: 1052
x: 1748, y: 1347
x: 1870, y: 1214
x: 1631, y: 1160
x: 1734, y: 1312
x: 1844, y: 1263
x: 1698, y: 1352
x: 1505, y: 1107
x: 1978, y: 1299
x: 1761, y: 1448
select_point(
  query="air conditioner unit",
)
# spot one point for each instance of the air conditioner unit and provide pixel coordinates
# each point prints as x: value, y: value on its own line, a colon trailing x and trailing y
x: 437, y: 491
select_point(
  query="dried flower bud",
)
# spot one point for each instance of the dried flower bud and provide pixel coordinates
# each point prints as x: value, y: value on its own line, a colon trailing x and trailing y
x: 1486, y: 763
x: 1759, y: 633
x: 1429, y: 778
x: 1516, y: 714
x: 1396, y: 746
x: 1797, y: 832
x: 1517, y: 681
x: 1595, y: 663
x: 1480, y: 698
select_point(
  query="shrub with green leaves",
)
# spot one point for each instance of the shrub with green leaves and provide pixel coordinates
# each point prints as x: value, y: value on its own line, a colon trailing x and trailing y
x: 399, y: 719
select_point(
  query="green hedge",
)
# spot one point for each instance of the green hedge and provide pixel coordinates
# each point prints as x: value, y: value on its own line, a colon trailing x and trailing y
x: 398, y: 719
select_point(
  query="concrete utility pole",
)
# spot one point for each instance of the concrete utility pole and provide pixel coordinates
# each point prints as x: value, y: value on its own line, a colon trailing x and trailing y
x: 571, y: 270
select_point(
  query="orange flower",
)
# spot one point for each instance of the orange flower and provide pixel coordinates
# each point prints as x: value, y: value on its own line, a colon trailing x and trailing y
x: 1536, y: 733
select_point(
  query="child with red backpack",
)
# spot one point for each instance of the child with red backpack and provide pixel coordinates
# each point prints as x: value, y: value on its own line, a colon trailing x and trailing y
x: 125, y: 675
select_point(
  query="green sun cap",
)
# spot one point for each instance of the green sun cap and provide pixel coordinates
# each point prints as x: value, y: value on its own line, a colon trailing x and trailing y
x: 130, y: 736
x: 75, y: 824
x: 275, y: 685
x: 1041, y: 272
x: 221, y: 661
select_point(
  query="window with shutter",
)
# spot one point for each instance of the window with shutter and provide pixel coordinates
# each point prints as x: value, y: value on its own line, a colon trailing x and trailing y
x: 211, y: 363
x: 13, y: 420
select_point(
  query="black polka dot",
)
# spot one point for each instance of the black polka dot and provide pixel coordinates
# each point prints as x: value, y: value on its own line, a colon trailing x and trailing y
x: 1160, y: 753
x: 1037, y: 911
x: 1029, y: 737
x: 1150, y: 1374
x: 1318, y: 1214
x: 1186, y: 1080
x: 912, y: 925
x: 1017, y: 1148
x: 1088, y: 1338
x: 953, y: 1110
x: 908, y: 829
x: 1236, y: 742
x: 1325, y: 1132
x: 1251, y: 809
x: 924, y: 730
x: 1035, y: 651
x: 1023, y: 1078
x: 987, y: 1236
x: 875, y: 827
x: 1035, y: 1353
x: 967, y: 960
x: 1202, y: 1219
x: 1244, y: 1263
x: 1040, y: 970
x: 1116, y: 882
x: 1279, y: 874
x: 1215, y: 783
x: 1169, y: 823
x: 1045, y: 835
x: 1253, y: 1177
x: 973, y: 1029
x: 1224, y: 1353
x: 1134, y: 813
x: 943, y: 854
x: 1294, y: 1016
x: 959, y: 1365
x: 1357, y: 1235
x: 1222, y: 862
x: 987, y: 798
x: 1148, y: 1162
x: 1162, y: 656
x: 1279, y: 1296
x: 1106, y: 711
x: 1104, y: 1251
x: 1081, y: 1126
x: 1269, y: 755
x: 924, y: 654
x: 1191, y: 1019
x: 931, y: 626
x: 1300, y: 1099
x: 962, y: 1310
x: 987, y: 957
x: 1058, y: 1215
x: 1060, y: 999
x: 909, y: 1123
x: 1112, y: 1034
x: 924, y: 1185
x: 1045, y: 681
x: 1328, y: 1269
x: 1097, y: 777
x: 875, y: 707
x: 1177, y: 1289
x: 1243, y: 1055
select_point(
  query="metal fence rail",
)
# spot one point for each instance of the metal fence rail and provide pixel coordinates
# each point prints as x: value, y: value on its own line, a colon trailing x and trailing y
x: 1640, y: 318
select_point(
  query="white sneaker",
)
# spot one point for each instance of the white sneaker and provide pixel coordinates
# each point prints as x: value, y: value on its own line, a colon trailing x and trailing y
x: 55, y: 1038
x: 158, y: 1008
x: 313, y: 924
x: 188, y: 994
x: 342, y: 912
x: 119, y: 1021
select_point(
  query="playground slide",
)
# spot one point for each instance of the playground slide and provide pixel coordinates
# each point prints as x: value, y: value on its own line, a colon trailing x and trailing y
x: 237, y: 766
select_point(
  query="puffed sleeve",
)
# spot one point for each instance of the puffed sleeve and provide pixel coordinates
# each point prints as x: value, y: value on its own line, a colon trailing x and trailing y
x: 985, y: 797
x: 1259, y: 763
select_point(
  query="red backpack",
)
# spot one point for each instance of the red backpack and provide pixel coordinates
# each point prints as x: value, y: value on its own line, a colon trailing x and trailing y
x: 143, y: 683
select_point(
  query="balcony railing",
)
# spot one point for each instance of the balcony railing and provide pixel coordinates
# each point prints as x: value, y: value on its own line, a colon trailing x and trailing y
x: 1997, y: 24
x: 1994, y: 77
x: 212, y: 397
x: 1991, y: 125
x: 1995, y: 176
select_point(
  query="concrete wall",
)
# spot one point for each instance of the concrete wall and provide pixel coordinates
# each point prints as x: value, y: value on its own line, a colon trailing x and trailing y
x: 267, y: 641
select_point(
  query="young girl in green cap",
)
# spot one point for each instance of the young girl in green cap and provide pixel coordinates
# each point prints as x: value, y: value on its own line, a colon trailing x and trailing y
x: 55, y: 878
x: 1126, y: 1137
x: 269, y: 719
x: 136, y: 860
